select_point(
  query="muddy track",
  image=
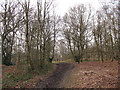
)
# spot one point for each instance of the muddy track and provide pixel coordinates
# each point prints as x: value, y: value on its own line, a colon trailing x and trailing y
x: 55, y: 80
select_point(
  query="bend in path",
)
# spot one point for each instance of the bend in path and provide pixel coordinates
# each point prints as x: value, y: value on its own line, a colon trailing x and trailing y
x: 54, y: 81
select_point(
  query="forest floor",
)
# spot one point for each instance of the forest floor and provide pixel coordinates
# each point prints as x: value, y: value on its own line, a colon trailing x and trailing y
x: 88, y: 74
x: 19, y: 77
x: 93, y: 75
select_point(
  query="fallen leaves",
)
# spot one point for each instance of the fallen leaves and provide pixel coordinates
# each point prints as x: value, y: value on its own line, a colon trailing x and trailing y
x: 14, y: 77
x: 93, y: 75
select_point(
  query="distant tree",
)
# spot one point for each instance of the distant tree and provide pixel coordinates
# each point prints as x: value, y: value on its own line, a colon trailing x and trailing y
x: 75, y: 30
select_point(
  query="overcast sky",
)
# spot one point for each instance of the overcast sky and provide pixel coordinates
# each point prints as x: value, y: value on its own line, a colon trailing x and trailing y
x: 62, y: 6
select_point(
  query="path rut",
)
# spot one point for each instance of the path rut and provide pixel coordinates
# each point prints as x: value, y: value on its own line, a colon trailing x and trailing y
x: 55, y: 80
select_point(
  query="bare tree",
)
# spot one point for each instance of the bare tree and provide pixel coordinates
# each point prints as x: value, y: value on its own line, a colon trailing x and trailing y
x: 26, y: 8
x: 10, y: 20
x: 75, y: 33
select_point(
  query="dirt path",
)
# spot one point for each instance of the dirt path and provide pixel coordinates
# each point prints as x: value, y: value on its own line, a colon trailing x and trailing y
x: 55, y: 80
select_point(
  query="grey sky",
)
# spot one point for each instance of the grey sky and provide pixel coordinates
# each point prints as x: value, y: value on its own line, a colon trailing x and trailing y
x: 62, y: 6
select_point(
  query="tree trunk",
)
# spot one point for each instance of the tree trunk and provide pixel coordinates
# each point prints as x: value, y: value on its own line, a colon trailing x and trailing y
x: 119, y: 45
x: 27, y: 36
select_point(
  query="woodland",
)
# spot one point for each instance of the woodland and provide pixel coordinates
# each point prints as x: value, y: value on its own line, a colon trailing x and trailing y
x: 34, y: 39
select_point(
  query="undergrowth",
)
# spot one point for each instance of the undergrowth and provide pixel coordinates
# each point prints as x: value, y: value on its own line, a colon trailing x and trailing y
x: 19, y: 78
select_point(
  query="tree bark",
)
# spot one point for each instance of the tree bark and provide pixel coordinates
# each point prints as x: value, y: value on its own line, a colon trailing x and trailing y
x: 27, y: 35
